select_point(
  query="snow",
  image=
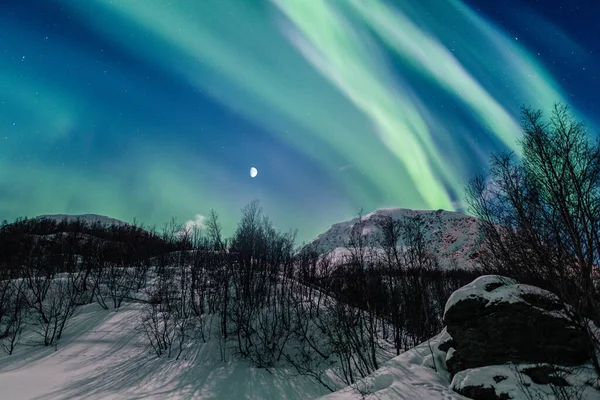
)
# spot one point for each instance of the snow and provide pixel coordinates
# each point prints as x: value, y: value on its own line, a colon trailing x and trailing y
x: 450, y: 354
x: 409, y: 376
x: 101, y: 356
x: 509, y: 292
x: 412, y: 376
x: 450, y: 235
x: 519, y: 386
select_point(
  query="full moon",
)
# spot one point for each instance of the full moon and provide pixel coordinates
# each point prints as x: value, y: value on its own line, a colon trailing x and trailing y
x: 253, y: 172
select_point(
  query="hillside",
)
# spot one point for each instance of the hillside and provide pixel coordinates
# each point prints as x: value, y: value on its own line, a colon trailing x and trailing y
x: 452, y: 236
x: 91, y: 310
x: 94, y: 310
x: 103, y: 356
x: 87, y: 235
x: 89, y: 219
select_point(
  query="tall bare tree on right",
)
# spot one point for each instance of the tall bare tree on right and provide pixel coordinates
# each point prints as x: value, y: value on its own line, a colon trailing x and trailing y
x: 540, y: 212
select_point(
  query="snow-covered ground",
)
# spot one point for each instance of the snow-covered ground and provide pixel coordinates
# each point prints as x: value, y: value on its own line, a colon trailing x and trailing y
x: 420, y: 374
x: 410, y: 376
x: 508, y: 380
x: 102, y: 356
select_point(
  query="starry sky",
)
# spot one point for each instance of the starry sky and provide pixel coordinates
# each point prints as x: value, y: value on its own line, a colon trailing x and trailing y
x: 152, y: 109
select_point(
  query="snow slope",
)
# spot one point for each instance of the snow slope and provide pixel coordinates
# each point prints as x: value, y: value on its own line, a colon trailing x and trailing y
x: 102, y: 357
x: 409, y: 376
x: 452, y: 236
x: 412, y: 376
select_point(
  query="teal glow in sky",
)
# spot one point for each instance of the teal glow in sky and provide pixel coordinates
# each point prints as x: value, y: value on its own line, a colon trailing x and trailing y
x: 153, y: 109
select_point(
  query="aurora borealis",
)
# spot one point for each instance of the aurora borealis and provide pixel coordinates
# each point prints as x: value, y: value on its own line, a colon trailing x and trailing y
x: 153, y: 109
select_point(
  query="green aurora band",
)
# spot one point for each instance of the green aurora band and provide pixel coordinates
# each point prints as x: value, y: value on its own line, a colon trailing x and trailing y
x: 319, y: 76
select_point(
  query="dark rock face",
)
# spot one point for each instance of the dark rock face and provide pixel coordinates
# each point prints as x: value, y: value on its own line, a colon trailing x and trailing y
x: 481, y: 393
x: 546, y: 374
x: 494, y: 320
x: 446, y: 345
x: 516, y: 381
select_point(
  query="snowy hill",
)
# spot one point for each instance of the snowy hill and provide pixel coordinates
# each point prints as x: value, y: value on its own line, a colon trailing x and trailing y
x: 87, y: 218
x: 452, y: 236
x: 103, y: 356
x: 79, y: 234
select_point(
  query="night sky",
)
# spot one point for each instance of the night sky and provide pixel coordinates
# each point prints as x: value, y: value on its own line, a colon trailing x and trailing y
x: 152, y: 109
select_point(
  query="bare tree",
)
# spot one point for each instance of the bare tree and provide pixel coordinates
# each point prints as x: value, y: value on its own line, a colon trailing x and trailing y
x: 541, y: 214
x: 14, y: 312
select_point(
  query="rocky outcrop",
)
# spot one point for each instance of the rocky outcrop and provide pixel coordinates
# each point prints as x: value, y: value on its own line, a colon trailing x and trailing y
x: 495, y: 320
x: 481, y: 392
x: 513, y: 381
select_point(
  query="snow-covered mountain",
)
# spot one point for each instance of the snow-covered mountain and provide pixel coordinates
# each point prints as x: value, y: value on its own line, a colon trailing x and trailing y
x: 452, y: 236
x: 87, y: 218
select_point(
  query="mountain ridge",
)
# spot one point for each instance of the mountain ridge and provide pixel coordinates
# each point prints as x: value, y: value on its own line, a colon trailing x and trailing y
x: 452, y: 236
x: 87, y: 218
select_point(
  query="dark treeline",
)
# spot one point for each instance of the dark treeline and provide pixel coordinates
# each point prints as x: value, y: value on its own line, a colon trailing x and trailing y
x: 45, y: 236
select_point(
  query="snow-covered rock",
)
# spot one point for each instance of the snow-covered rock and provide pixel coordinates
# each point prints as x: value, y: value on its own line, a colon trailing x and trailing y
x: 511, y: 381
x: 495, y: 320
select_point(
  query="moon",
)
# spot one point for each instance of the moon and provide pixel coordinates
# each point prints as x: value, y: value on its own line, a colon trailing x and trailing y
x: 253, y: 172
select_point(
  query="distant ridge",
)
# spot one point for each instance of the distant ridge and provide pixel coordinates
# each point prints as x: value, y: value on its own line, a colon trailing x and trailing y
x: 452, y: 236
x: 87, y: 218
